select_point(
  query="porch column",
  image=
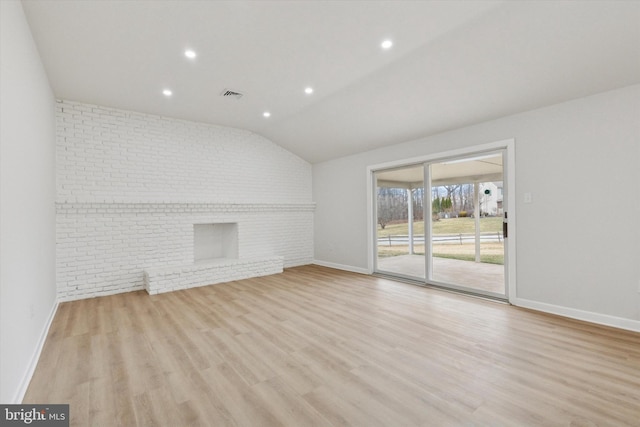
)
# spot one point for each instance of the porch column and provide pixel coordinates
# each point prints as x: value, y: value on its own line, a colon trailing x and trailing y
x: 410, y: 219
x: 476, y: 216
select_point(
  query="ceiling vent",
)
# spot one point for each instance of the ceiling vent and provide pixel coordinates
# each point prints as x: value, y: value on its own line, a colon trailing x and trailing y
x: 228, y: 93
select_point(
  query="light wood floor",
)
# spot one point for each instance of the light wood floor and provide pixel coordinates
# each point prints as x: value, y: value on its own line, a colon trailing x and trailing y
x: 315, y: 346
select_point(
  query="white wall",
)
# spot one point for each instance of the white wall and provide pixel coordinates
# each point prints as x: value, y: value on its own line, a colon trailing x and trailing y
x: 131, y: 186
x: 27, y: 194
x: 577, y: 243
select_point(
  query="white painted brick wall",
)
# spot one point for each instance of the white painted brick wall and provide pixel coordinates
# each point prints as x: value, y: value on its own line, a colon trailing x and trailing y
x: 110, y: 155
x: 167, y: 279
x: 130, y: 186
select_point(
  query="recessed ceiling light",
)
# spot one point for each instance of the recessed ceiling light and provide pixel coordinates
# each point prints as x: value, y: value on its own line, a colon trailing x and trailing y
x: 167, y: 92
x: 190, y: 54
x: 386, y: 44
x: 266, y: 114
x: 308, y: 90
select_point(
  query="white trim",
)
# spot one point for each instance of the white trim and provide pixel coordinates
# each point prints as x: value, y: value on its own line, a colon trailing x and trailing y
x: 24, y: 384
x: 510, y: 242
x: 574, y: 313
x: 371, y: 217
x: 341, y: 267
x: 427, y: 219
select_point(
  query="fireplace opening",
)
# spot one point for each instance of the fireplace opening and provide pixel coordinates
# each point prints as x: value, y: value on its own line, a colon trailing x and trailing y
x: 215, y: 241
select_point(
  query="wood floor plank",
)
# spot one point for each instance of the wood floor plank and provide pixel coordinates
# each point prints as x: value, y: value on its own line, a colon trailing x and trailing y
x: 288, y: 406
x: 317, y: 346
x: 246, y: 407
x: 249, y: 365
x: 340, y: 411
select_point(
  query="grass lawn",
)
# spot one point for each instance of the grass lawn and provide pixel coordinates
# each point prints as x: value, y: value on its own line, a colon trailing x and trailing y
x: 490, y: 252
x: 488, y: 259
x: 444, y: 226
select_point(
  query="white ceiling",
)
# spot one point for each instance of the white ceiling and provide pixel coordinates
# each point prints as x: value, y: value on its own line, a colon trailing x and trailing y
x: 453, y: 63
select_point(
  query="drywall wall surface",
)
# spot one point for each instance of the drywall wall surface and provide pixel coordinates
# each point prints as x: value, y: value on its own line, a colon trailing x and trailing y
x: 27, y: 196
x: 577, y: 243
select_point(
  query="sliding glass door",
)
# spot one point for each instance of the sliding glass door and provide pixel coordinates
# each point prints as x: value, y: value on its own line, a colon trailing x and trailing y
x: 400, y: 222
x: 467, y: 245
x: 455, y: 206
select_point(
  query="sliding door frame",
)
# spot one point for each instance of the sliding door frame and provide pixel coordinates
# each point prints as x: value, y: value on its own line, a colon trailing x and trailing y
x: 509, y: 190
x: 429, y: 248
x: 375, y: 217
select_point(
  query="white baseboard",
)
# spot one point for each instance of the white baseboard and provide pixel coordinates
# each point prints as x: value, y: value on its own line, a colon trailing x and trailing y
x: 341, y: 267
x: 573, y: 313
x: 24, y: 384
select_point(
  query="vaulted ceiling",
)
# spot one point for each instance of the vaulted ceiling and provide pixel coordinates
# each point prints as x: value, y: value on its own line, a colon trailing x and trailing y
x: 452, y: 63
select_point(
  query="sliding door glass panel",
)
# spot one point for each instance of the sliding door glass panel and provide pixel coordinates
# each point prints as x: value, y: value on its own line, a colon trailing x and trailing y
x: 400, y: 222
x: 467, y: 246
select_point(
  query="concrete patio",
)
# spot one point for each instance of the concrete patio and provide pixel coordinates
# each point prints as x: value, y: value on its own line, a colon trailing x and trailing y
x: 477, y: 276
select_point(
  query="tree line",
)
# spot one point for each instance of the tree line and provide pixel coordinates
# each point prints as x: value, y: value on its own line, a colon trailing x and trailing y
x: 393, y: 203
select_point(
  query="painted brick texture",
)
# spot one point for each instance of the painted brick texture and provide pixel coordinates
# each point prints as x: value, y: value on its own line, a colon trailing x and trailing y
x: 169, y: 279
x: 130, y: 186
